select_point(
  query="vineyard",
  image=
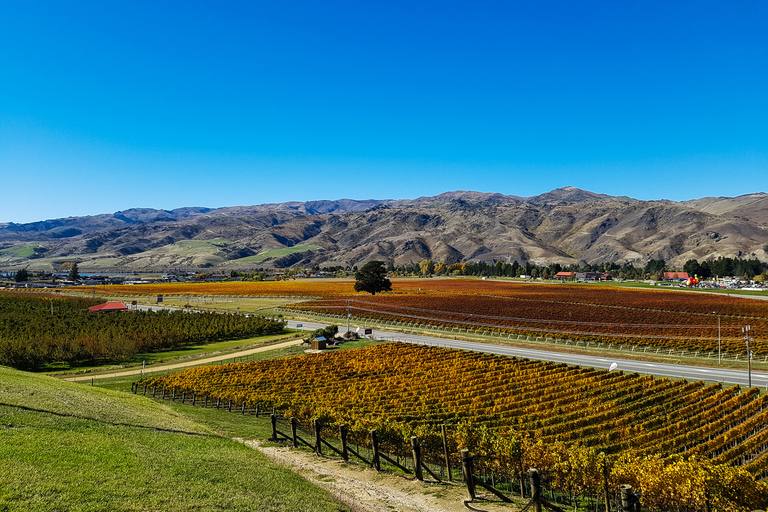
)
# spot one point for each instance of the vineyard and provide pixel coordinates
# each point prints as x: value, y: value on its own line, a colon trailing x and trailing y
x: 516, y: 413
x: 238, y: 288
x: 39, y: 329
x: 654, y: 318
x: 634, y: 317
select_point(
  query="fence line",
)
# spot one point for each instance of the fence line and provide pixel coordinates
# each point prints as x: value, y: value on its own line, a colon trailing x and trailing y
x: 442, y: 462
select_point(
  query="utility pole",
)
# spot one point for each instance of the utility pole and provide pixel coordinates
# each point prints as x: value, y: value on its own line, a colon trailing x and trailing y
x: 348, y: 315
x: 746, y: 330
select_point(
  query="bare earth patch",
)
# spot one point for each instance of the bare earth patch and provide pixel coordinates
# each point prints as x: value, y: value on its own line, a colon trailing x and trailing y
x: 365, y: 490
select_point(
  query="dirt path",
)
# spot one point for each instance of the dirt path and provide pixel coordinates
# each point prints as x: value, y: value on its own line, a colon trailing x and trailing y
x: 185, y: 364
x: 365, y: 490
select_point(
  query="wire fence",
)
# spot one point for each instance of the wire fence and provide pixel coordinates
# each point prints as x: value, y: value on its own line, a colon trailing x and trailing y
x: 435, y: 459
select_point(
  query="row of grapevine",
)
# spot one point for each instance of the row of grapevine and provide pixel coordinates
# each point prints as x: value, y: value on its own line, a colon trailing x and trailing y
x: 607, y: 297
x: 693, y: 331
x: 656, y: 318
x: 496, y: 405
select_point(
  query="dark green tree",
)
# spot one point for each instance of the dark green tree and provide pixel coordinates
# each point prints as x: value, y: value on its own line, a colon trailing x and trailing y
x: 655, y: 267
x: 692, y: 267
x: 721, y: 267
x: 372, y: 278
x: 74, y: 273
x: 329, y: 333
x: 22, y: 276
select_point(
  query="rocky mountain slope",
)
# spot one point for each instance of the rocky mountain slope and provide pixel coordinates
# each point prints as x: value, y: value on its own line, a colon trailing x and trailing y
x: 566, y: 225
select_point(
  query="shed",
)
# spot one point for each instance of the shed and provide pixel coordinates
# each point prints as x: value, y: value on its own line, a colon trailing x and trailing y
x: 319, y: 343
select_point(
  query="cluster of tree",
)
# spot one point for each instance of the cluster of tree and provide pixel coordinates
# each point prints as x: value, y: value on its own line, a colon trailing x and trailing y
x: 23, y: 275
x: 328, y: 333
x: 654, y: 269
x: 372, y: 278
x: 256, y: 275
x: 726, y: 267
x: 37, y: 330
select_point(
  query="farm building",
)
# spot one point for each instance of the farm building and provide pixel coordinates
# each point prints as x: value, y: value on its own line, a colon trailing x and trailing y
x: 319, y: 343
x: 108, y: 307
x: 593, y: 276
x: 675, y: 276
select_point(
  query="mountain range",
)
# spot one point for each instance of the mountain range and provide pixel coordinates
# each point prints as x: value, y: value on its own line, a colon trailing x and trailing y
x: 567, y: 225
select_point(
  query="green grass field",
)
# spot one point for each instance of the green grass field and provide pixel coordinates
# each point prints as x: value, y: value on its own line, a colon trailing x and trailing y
x: 277, y: 253
x: 72, y: 447
x: 124, y: 382
x: 20, y: 251
x: 217, y: 349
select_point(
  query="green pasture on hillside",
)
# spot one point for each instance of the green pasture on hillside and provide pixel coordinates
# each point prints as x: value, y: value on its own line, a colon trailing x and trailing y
x: 277, y: 253
x: 20, y: 251
x: 71, y: 447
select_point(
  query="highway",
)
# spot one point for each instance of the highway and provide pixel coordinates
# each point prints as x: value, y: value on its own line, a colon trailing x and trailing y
x: 627, y: 365
x: 723, y: 375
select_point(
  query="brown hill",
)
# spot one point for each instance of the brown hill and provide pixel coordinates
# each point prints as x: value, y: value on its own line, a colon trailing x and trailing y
x: 567, y: 225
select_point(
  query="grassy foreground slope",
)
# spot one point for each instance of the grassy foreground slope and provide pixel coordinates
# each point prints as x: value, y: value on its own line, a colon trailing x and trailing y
x: 69, y: 447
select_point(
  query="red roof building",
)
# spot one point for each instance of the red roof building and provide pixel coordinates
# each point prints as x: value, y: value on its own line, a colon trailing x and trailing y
x: 676, y: 275
x: 108, y: 307
x: 564, y: 275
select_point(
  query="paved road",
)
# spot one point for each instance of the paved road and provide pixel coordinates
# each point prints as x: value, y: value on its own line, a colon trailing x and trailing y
x: 661, y: 369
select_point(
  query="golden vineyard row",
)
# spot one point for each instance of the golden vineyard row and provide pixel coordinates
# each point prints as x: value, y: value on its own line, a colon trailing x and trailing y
x: 514, y: 411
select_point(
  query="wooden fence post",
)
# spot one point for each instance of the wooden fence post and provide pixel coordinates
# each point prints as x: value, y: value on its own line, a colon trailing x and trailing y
x: 243, y: 406
x: 318, y: 445
x: 446, y: 454
x: 183, y: 396
x: 194, y: 399
x: 416, y: 449
x: 257, y: 410
x: 606, y: 489
x: 154, y: 390
x: 466, y: 469
x: 218, y: 402
x: 230, y: 405
x: 293, y: 433
x: 273, y: 419
x: 375, y: 445
x: 343, y: 436
x: 145, y: 390
x: 533, y: 476
x: 629, y: 502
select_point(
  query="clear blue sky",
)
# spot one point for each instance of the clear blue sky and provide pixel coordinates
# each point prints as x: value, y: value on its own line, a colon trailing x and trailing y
x: 110, y: 105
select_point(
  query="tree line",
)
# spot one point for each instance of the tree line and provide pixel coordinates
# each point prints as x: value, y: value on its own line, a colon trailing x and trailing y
x: 653, y: 269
